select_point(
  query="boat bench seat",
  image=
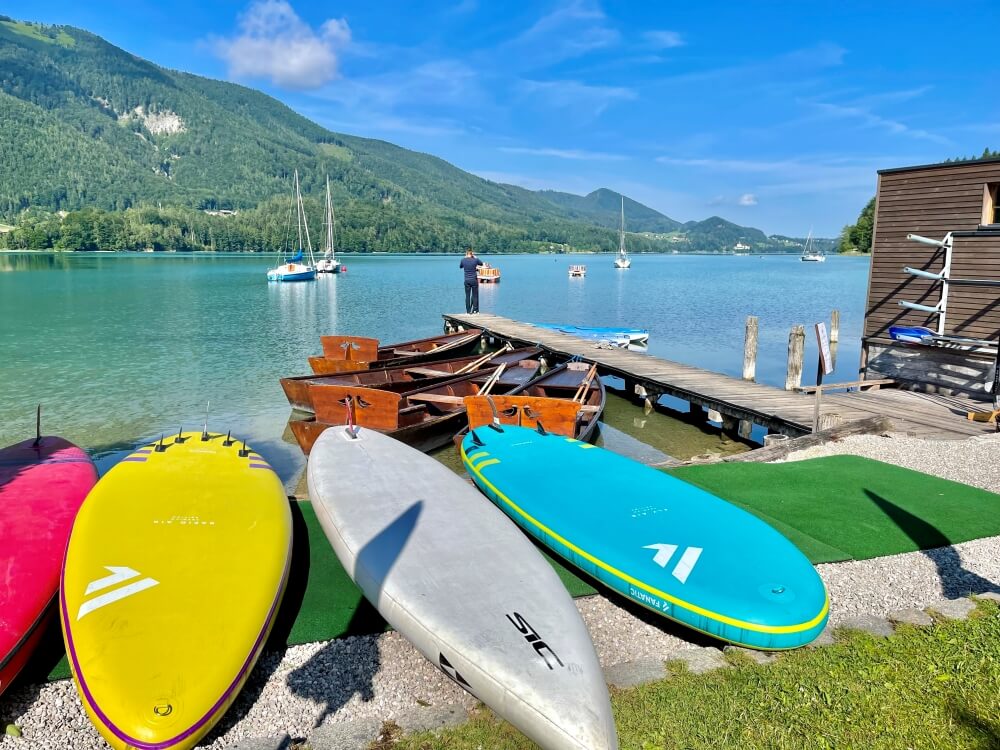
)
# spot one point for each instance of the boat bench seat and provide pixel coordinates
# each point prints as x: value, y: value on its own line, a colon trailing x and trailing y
x: 438, y: 398
x: 406, y: 353
x: 589, y: 408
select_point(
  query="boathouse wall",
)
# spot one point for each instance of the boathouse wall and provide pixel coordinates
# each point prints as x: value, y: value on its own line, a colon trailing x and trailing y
x: 962, y: 198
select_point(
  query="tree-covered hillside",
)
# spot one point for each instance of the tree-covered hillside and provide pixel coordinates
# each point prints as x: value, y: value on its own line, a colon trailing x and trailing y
x: 101, y: 146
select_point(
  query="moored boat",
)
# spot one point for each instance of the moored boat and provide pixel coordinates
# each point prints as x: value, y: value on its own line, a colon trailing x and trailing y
x: 347, y: 353
x: 488, y: 274
x: 614, y: 334
x: 329, y: 264
x: 622, y: 261
x: 425, y: 417
x: 296, y: 268
x: 577, y: 271
x: 297, y: 388
x: 567, y: 400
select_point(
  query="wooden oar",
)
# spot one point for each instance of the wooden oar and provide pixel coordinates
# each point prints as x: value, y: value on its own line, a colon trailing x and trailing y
x: 581, y: 392
x: 492, y: 381
x: 472, y: 366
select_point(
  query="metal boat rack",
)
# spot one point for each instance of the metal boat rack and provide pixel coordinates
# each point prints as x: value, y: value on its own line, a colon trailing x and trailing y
x: 946, y: 281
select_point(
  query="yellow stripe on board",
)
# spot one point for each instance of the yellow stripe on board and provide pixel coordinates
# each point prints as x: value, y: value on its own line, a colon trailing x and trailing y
x: 487, y: 462
x: 587, y: 446
x: 477, y: 456
x: 645, y: 587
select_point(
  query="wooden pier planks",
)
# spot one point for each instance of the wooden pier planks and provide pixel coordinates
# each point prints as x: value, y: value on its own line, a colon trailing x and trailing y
x: 920, y: 414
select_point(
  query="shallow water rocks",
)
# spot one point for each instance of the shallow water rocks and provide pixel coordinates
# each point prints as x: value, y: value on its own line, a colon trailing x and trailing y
x: 877, y: 626
x: 700, y: 660
x: 911, y: 616
x: 637, y: 672
x: 953, y: 609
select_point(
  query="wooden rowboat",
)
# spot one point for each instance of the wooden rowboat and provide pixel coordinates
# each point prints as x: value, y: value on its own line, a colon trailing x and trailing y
x: 568, y: 400
x: 348, y: 353
x: 297, y: 388
x: 425, y: 417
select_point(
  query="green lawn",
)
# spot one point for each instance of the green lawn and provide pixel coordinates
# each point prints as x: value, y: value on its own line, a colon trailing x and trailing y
x: 933, y: 687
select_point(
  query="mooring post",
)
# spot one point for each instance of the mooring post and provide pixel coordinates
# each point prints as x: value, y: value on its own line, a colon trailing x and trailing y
x: 835, y: 326
x: 796, y: 352
x: 745, y: 429
x: 750, y: 349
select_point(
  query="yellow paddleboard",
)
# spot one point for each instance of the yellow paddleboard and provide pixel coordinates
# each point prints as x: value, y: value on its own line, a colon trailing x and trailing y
x: 173, y: 575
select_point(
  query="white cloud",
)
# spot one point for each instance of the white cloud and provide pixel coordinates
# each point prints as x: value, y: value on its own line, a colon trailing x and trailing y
x: 560, y: 153
x: 663, y: 39
x: 574, y: 28
x: 747, y: 199
x: 273, y: 42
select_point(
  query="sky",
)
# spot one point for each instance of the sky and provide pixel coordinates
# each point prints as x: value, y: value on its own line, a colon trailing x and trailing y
x: 771, y: 114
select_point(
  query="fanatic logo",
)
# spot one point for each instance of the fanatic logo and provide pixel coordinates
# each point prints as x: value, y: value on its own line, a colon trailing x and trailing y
x: 683, y: 567
x: 118, y: 575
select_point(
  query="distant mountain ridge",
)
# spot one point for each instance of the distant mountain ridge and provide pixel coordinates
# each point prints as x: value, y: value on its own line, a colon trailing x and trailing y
x: 90, y: 126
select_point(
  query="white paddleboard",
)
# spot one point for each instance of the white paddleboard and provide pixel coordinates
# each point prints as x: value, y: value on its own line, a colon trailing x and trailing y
x: 453, y: 575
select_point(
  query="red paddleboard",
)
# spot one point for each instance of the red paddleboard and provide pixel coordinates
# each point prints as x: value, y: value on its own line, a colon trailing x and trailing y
x: 41, y: 489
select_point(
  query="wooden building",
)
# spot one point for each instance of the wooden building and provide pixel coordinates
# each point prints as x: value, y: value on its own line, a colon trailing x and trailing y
x: 962, y: 199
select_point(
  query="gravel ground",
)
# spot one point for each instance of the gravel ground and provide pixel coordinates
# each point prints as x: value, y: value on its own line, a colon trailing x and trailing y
x: 379, y: 676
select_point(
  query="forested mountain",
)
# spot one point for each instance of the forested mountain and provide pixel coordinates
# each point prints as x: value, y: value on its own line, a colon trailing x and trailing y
x: 604, y: 207
x: 132, y: 155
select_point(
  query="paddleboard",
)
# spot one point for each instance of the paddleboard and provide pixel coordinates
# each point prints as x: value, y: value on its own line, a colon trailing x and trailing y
x: 462, y: 584
x: 42, y: 485
x: 173, y: 575
x: 661, y: 542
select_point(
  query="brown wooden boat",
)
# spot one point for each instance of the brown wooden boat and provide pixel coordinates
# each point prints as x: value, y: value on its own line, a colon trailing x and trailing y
x: 297, y: 388
x: 348, y: 353
x: 425, y: 417
x: 568, y: 400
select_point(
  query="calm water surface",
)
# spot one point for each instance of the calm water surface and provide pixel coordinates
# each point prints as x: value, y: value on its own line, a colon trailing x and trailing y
x: 119, y: 349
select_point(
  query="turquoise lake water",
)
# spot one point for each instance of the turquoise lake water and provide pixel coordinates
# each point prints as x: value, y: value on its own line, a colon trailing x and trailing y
x: 121, y: 348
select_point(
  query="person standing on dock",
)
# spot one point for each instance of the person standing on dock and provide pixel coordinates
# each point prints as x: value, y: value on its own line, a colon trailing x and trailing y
x: 469, y: 264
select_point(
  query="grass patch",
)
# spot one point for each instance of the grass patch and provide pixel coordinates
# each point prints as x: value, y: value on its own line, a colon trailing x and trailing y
x: 337, y: 152
x: 41, y: 33
x: 933, y: 687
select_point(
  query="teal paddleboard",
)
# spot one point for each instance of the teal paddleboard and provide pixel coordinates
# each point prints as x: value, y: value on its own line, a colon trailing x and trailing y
x: 661, y: 542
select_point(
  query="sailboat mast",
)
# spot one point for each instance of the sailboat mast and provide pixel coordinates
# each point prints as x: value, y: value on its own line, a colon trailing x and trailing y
x: 298, y: 208
x: 621, y: 233
x: 329, y: 217
x: 305, y: 227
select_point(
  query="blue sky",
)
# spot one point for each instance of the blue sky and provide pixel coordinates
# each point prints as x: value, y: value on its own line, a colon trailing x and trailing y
x: 774, y: 115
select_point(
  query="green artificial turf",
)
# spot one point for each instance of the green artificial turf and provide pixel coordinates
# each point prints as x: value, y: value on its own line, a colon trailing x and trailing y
x: 321, y: 602
x: 845, y: 507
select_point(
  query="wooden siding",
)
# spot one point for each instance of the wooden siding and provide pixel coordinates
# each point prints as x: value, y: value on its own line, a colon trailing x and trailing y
x: 932, y: 201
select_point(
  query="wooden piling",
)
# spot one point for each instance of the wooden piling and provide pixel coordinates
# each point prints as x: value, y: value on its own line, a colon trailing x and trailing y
x: 750, y: 349
x: 745, y: 429
x: 835, y: 326
x: 796, y: 352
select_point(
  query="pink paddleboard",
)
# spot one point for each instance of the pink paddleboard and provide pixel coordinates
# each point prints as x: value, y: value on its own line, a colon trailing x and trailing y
x: 41, y: 489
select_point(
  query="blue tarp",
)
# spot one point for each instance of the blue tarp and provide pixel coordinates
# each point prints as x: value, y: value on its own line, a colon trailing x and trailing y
x: 297, y: 258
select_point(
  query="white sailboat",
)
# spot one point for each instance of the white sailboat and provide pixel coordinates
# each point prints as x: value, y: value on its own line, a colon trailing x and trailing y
x: 810, y: 255
x: 295, y: 268
x: 329, y: 262
x: 622, y: 261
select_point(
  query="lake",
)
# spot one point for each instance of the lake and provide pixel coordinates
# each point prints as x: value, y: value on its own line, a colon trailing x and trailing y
x: 121, y: 348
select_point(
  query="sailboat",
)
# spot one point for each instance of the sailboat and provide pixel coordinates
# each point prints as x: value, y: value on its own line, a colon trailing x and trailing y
x: 810, y: 255
x: 329, y: 262
x: 294, y: 268
x: 622, y: 261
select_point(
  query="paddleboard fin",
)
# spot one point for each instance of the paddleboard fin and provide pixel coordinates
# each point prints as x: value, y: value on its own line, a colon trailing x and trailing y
x: 476, y: 440
x: 204, y: 432
x: 244, y: 452
x: 38, y: 427
x: 160, y: 447
x: 229, y: 439
x: 180, y: 439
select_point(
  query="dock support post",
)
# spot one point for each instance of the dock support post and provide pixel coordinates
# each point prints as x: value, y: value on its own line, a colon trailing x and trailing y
x: 729, y: 424
x: 750, y: 349
x: 796, y: 352
x: 745, y: 428
x: 835, y: 326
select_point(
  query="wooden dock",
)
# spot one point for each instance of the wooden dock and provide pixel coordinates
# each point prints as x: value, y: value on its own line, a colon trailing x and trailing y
x: 778, y: 410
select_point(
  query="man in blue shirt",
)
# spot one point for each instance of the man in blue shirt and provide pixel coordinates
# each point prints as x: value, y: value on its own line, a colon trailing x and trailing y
x: 469, y: 264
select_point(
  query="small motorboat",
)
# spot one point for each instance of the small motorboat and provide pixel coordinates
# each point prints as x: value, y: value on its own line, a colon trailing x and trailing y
x: 488, y: 274
x: 911, y: 334
x: 578, y: 271
x: 615, y: 335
